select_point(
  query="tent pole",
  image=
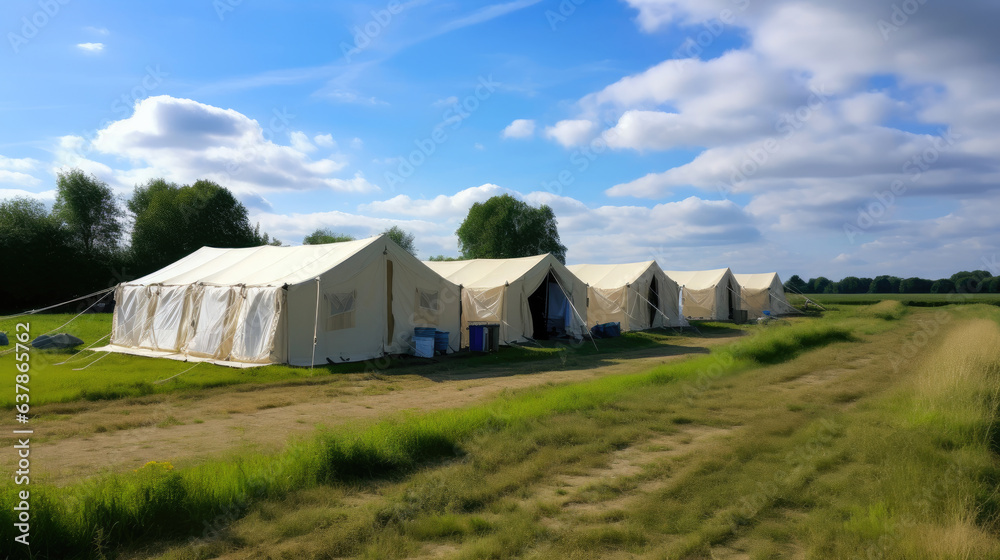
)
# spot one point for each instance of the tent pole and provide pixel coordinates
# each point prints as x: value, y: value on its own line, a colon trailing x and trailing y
x: 315, y: 326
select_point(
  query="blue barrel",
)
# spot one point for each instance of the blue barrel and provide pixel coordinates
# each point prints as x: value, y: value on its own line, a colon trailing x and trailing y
x: 422, y: 332
x: 441, y: 342
x: 477, y: 339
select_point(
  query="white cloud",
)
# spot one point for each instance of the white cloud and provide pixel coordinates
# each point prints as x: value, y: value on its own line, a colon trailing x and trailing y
x: 519, y: 128
x: 47, y: 197
x: 301, y: 142
x: 674, y: 232
x: 571, y: 132
x: 90, y: 47
x: 357, y: 184
x: 325, y: 140
x: 478, y: 146
x: 357, y: 143
x: 183, y: 140
x: 18, y: 164
x: 440, y: 207
x: 8, y: 177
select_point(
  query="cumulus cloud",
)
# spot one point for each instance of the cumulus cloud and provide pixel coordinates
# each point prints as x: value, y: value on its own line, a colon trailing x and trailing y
x: 519, y: 128
x: 673, y: 232
x: 791, y: 124
x: 357, y: 184
x: 91, y: 47
x: 13, y: 172
x: 444, y: 207
x: 571, y: 132
x: 325, y: 140
x: 301, y: 142
x: 183, y: 140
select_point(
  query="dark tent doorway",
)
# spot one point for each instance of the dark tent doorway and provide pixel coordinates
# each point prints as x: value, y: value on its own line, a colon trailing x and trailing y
x: 549, y: 310
x: 654, y: 300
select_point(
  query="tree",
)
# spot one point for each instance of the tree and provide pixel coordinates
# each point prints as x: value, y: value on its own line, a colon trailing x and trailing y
x: 505, y: 227
x: 442, y: 258
x: 818, y: 285
x: 88, y: 210
x: 943, y: 286
x: 36, y: 250
x: 325, y: 235
x: 884, y: 285
x: 795, y: 284
x: 970, y: 282
x: 915, y: 286
x: 993, y: 286
x: 853, y: 285
x: 172, y: 222
x: 402, y: 238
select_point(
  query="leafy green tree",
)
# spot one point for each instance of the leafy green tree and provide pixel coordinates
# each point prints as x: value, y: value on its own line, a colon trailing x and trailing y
x: 853, y: 285
x: 796, y: 284
x: 442, y: 258
x: 38, y: 262
x: 915, y: 286
x: 402, y: 238
x: 89, y: 211
x: 970, y: 282
x: 505, y: 227
x: 884, y: 285
x: 326, y: 235
x: 993, y: 285
x: 172, y: 222
x: 943, y: 286
x: 817, y: 285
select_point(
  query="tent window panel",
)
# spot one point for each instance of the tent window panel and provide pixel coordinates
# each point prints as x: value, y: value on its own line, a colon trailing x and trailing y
x: 341, y: 311
x: 429, y: 301
x: 428, y: 308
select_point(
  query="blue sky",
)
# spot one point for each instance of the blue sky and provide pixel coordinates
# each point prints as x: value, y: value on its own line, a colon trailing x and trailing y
x: 791, y: 135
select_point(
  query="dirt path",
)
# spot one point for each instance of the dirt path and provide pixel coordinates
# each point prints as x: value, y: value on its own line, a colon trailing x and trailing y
x: 83, y: 439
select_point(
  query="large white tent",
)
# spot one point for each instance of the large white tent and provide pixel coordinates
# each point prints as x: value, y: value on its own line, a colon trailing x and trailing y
x: 708, y: 294
x: 763, y: 292
x: 306, y: 305
x: 530, y: 297
x: 637, y: 295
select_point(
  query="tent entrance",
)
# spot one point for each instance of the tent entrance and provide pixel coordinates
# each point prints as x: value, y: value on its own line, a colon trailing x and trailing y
x: 653, y: 300
x: 550, y: 310
x: 732, y: 304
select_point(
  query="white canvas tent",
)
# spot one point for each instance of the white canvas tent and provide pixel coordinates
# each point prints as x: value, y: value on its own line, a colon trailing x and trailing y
x: 763, y: 292
x: 530, y: 297
x: 260, y: 305
x: 637, y: 295
x: 708, y: 294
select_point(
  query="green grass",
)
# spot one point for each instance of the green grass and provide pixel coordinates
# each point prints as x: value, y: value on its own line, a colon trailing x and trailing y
x: 119, y: 376
x: 129, y: 509
x: 903, y: 471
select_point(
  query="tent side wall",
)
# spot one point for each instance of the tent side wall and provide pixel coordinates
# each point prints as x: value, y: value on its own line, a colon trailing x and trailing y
x: 354, y: 320
x: 703, y: 303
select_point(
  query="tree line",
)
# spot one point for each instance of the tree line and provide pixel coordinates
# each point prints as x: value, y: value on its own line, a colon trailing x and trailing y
x: 90, y: 241
x: 968, y: 282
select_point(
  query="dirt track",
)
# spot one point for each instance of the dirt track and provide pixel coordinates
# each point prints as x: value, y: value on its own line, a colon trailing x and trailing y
x: 83, y: 439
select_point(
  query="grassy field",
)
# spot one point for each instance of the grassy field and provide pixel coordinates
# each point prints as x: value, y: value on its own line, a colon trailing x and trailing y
x: 919, y: 300
x: 118, y: 376
x: 866, y: 433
